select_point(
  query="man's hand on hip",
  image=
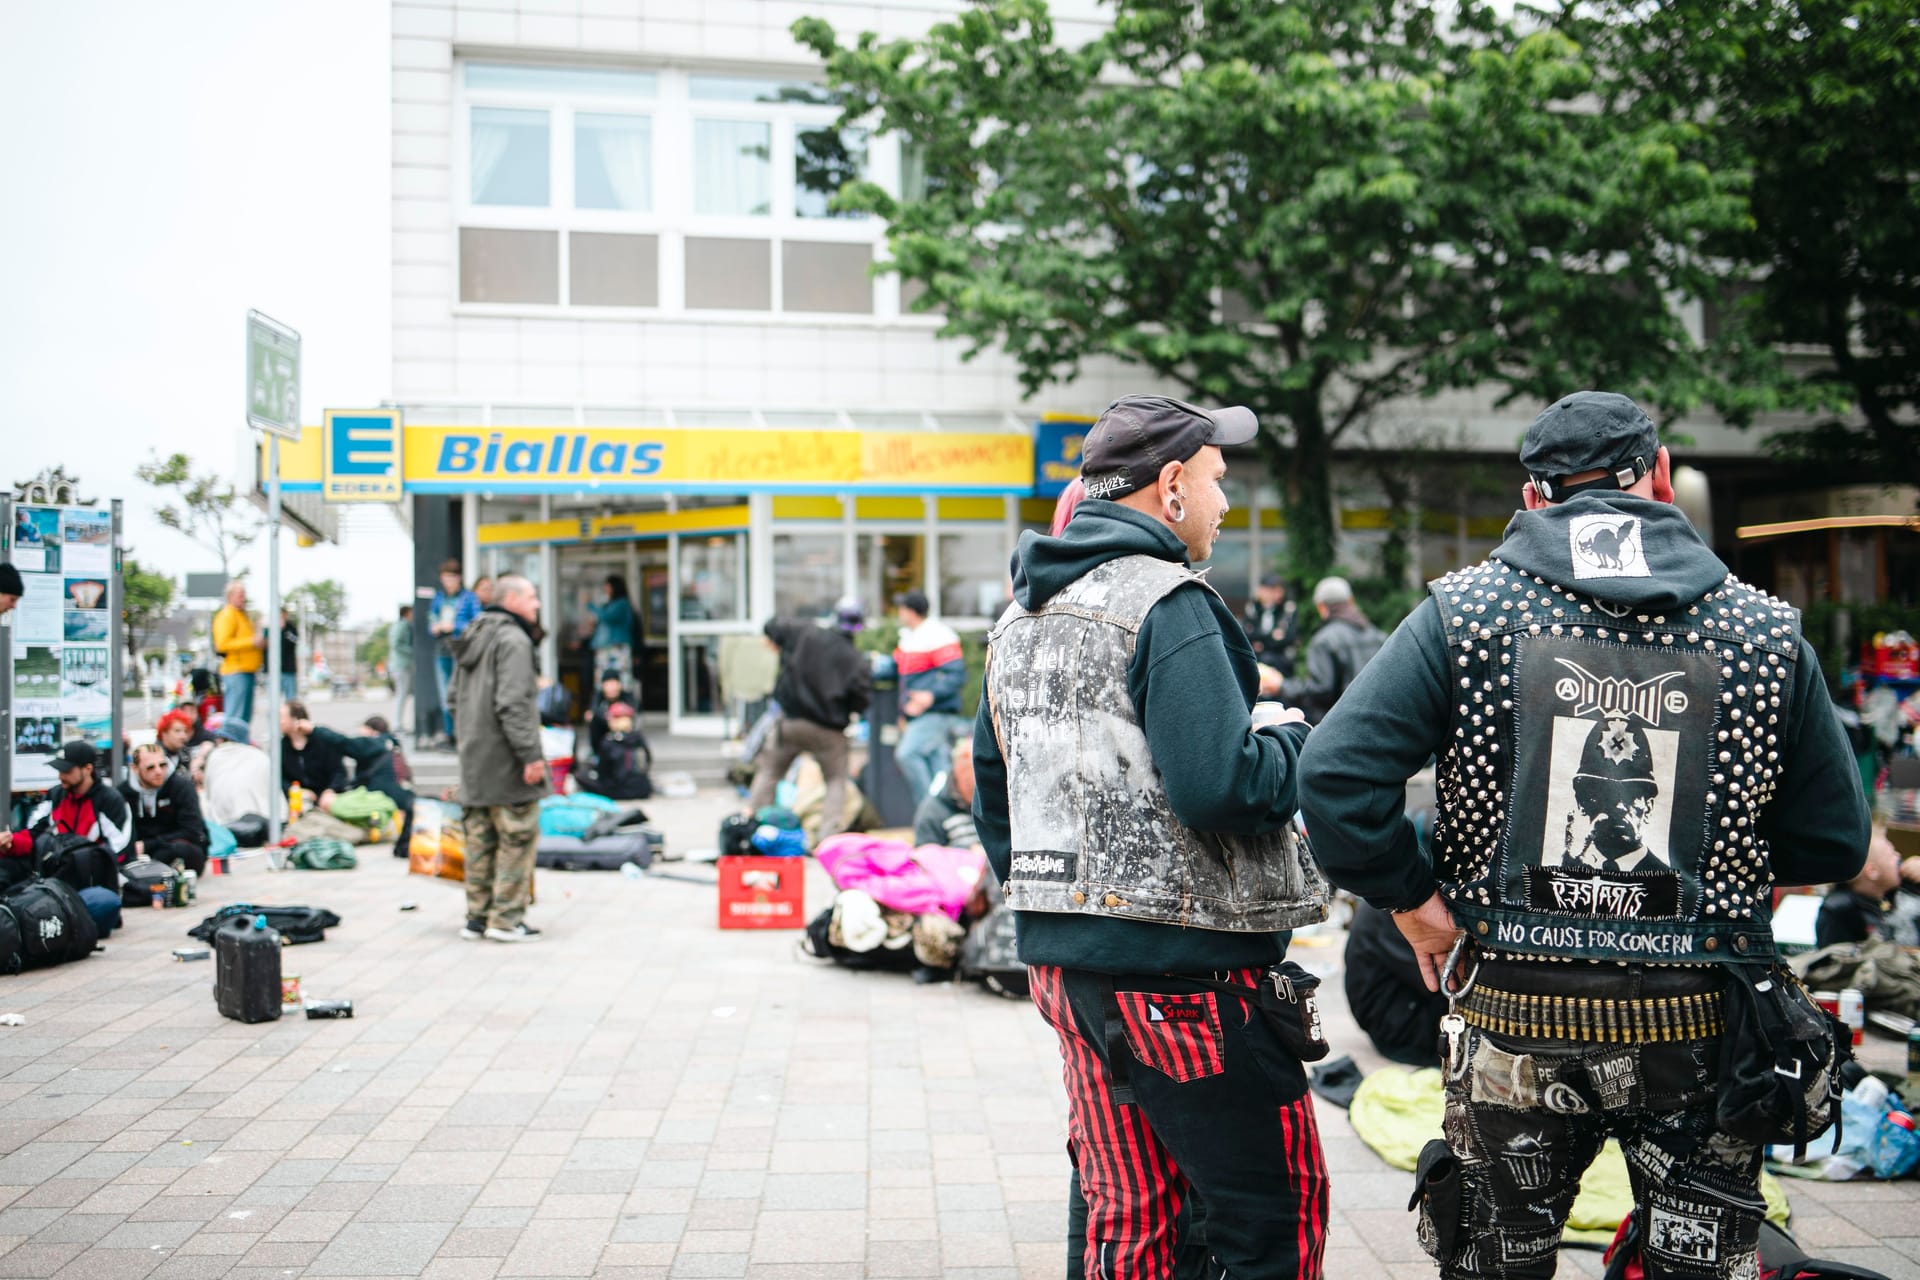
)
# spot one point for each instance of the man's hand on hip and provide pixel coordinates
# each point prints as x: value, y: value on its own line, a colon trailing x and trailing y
x: 532, y: 773
x: 1429, y: 929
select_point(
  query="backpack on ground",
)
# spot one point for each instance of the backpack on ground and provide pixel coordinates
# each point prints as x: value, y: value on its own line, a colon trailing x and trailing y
x: 295, y: 924
x: 320, y: 825
x: 221, y: 843
x: 370, y: 810
x: 736, y: 835
x: 55, y: 926
x: 75, y: 860
x: 142, y: 877
x: 249, y: 830
x: 572, y: 815
x: 322, y: 855
x: 10, y: 956
x: 555, y: 705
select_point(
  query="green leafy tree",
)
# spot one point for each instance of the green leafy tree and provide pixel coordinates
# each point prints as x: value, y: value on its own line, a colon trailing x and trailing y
x: 205, y: 508
x: 1819, y: 99
x: 1312, y: 207
x: 325, y: 602
x: 146, y: 598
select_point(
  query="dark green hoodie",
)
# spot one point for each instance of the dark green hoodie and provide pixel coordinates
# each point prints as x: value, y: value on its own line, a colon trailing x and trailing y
x: 1192, y: 681
x: 1398, y: 715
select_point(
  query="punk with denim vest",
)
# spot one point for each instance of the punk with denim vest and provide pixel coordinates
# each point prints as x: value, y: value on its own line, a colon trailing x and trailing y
x: 1634, y: 748
x: 1144, y: 836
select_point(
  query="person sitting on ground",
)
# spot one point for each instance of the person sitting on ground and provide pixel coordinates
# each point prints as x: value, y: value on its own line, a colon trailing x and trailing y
x: 173, y: 733
x: 167, y: 826
x: 80, y: 806
x: 612, y: 690
x: 235, y: 778
x: 1861, y: 908
x: 380, y: 765
x: 945, y: 817
x: 620, y: 769
x: 311, y: 758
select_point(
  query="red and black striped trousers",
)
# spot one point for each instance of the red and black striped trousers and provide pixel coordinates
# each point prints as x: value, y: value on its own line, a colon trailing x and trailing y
x: 1205, y: 1105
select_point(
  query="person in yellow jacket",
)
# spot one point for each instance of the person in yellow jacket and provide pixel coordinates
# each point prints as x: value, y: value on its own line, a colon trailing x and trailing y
x: 241, y: 647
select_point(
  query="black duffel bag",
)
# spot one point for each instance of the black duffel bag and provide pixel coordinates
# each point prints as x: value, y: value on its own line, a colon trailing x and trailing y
x: 55, y: 926
x: 76, y: 861
x: 295, y: 924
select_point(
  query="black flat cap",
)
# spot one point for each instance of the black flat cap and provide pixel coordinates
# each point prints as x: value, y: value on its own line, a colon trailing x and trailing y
x: 1589, y: 431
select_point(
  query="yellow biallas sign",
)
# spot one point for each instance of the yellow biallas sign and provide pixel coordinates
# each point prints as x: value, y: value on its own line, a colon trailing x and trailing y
x: 458, y: 459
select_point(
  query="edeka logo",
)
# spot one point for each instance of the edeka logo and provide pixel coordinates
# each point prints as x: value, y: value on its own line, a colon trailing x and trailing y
x: 561, y: 453
x: 361, y: 452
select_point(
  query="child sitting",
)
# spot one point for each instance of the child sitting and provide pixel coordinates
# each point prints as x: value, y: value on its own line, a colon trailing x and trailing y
x: 620, y: 768
x: 1858, y: 910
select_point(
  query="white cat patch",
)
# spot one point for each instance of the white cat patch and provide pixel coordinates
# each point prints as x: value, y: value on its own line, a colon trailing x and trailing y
x: 1607, y: 546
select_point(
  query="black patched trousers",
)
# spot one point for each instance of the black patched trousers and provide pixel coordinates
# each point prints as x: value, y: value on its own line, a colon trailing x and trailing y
x: 1527, y: 1115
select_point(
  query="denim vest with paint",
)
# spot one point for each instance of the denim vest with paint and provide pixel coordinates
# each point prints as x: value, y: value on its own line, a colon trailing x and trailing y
x: 1606, y: 771
x: 1092, y: 830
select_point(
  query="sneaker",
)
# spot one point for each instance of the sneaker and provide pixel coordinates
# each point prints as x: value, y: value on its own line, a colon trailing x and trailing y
x: 519, y: 933
x: 475, y: 930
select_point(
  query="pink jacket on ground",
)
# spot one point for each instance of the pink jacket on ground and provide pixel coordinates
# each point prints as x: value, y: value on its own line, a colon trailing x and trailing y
x: 900, y: 877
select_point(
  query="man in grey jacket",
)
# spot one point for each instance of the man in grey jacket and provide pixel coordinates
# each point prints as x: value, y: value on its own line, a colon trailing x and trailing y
x: 502, y: 772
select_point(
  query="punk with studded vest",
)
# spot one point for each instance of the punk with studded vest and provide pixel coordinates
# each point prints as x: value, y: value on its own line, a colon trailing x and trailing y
x: 1633, y: 748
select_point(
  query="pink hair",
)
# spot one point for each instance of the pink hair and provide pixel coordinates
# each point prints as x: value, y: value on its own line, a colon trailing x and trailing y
x: 1064, y: 507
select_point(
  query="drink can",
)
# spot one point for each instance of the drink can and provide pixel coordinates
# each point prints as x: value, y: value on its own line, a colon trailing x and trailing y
x: 1828, y: 1000
x: 329, y: 1008
x: 1853, y: 1012
x: 159, y: 895
x: 290, y: 989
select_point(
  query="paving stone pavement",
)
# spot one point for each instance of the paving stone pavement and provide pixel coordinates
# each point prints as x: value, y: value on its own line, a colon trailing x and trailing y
x: 638, y: 1095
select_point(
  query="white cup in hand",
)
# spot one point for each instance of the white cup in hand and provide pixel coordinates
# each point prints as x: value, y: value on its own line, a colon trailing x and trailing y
x: 1266, y: 713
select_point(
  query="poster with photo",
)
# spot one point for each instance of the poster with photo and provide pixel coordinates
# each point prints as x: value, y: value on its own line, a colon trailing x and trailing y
x: 36, y: 619
x: 64, y: 629
x: 36, y: 675
x: 87, y: 545
x: 85, y: 687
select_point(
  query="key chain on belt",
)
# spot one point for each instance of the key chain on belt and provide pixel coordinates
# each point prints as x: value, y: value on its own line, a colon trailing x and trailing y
x: 1453, y: 1027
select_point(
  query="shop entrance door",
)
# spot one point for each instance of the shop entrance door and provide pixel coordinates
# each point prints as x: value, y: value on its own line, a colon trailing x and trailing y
x: 583, y: 572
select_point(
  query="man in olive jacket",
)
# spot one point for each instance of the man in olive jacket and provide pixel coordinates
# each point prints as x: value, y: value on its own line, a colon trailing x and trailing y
x: 502, y: 771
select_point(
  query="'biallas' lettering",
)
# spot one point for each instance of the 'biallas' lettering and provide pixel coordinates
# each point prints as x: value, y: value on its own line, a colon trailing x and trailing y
x: 562, y: 454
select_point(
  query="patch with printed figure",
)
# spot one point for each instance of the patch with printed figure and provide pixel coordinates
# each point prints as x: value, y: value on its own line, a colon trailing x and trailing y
x: 1612, y: 746
x: 1607, y: 546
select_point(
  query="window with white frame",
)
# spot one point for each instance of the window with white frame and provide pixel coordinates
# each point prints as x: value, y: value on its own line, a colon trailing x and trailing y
x: 663, y: 190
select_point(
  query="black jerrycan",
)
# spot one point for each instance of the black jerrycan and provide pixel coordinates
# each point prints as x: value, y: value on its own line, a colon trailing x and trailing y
x: 246, y: 974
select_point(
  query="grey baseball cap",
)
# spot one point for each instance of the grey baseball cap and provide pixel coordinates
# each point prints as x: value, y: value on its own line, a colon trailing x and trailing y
x: 1138, y: 435
x: 1589, y: 431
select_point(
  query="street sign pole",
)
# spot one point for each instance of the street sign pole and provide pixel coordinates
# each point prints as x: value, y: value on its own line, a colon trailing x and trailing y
x: 273, y: 407
x: 273, y: 645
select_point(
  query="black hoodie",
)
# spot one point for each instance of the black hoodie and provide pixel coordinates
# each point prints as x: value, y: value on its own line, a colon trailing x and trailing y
x: 823, y: 678
x: 1398, y: 715
x: 1192, y: 680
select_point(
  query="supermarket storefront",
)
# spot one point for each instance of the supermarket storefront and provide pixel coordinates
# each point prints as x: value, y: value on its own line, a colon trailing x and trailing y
x: 714, y: 528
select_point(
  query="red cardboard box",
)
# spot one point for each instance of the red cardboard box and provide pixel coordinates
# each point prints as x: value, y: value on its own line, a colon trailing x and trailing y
x: 763, y: 893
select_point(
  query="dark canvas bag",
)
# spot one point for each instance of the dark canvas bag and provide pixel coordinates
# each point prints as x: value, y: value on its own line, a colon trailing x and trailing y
x: 75, y: 860
x: 1780, y: 1059
x: 11, y: 960
x: 55, y: 926
x: 295, y: 924
x: 141, y: 877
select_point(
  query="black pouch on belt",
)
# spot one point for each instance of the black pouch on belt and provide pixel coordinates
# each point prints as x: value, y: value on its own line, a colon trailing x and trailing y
x: 1285, y: 998
x: 1780, y: 1060
x: 1436, y: 1194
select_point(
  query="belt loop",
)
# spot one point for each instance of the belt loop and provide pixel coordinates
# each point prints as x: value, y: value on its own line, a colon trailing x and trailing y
x: 1114, y: 1032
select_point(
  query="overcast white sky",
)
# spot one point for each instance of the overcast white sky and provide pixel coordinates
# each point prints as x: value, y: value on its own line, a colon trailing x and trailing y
x: 168, y: 167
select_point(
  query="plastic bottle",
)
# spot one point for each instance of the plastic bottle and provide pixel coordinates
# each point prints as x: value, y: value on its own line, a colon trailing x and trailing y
x: 295, y: 801
x: 632, y: 871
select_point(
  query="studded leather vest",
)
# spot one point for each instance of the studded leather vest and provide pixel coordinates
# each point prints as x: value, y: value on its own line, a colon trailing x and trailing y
x: 1092, y: 830
x: 1601, y: 792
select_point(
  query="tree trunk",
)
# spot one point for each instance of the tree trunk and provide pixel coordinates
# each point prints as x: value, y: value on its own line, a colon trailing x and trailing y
x: 1304, y: 472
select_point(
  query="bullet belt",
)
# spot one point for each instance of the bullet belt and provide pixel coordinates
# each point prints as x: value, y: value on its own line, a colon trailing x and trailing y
x: 1647, y: 1020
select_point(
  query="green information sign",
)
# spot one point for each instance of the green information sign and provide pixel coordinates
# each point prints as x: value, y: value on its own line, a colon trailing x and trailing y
x: 273, y: 376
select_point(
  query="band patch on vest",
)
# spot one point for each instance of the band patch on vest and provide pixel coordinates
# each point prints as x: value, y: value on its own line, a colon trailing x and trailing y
x: 1060, y: 867
x: 1607, y: 546
x: 1624, y: 896
x: 1612, y: 747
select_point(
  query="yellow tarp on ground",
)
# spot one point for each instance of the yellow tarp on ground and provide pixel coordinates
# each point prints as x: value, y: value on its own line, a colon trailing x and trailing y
x: 1397, y: 1111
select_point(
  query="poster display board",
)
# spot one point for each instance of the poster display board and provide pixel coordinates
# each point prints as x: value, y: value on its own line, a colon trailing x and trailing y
x: 62, y: 648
